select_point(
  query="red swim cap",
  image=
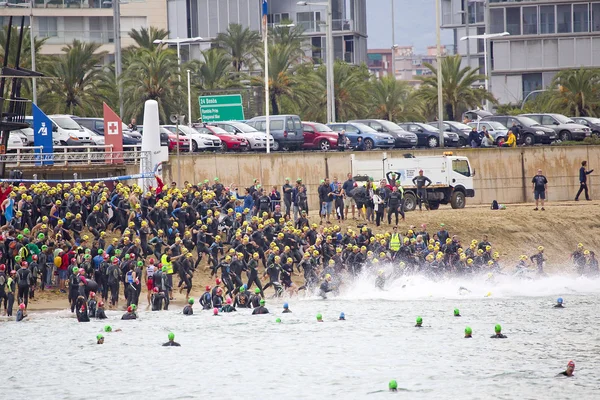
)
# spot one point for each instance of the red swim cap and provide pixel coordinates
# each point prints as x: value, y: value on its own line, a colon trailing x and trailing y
x: 2, y: 267
x: 218, y: 281
x: 155, y: 290
x: 24, y: 264
x: 129, y: 309
x: 22, y: 307
x: 92, y: 294
x: 151, y: 261
x: 208, y: 288
x: 101, y: 304
x: 215, y: 311
x: 571, y: 364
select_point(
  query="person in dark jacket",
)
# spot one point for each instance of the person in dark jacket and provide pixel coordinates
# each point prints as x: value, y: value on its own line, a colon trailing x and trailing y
x: 583, y: 181
x: 474, y: 138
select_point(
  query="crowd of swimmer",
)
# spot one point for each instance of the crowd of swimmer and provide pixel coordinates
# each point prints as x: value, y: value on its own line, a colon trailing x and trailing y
x: 89, y: 240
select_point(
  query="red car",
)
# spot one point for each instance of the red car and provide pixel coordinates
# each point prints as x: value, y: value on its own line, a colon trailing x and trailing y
x: 228, y: 141
x: 184, y: 143
x: 318, y: 136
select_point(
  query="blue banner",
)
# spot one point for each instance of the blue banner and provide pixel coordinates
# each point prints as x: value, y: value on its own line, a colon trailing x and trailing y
x: 42, y: 136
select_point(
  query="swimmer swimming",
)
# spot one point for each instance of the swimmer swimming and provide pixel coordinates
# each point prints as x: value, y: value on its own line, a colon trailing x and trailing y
x: 498, y: 335
x: 171, y: 341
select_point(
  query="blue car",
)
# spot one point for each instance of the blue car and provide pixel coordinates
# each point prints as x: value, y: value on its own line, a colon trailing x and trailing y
x: 371, y: 138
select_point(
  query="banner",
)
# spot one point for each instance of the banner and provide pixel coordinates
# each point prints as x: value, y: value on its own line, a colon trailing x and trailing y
x: 265, y: 12
x: 42, y: 136
x: 113, y: 133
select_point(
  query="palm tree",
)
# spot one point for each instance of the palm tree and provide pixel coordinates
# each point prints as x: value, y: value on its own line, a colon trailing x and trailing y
x: 240, y: 43
x: 458, y: 90
x: 213, y: 72
x: 577, y: 92
x: 394, y: 100
x: 78, y: 83
x: 152, y: 75
x: 145, y: 37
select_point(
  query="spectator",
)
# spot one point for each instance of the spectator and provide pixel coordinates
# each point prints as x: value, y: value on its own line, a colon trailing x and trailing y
x: 583, y: 181
x: 275, y: 197
x: 360, y: 146
x: 341, y: 140
x: 287, y: 196
x: 421, y: 182
x: 516, y: 130
x: 487, y: 140
x: 540, y: 187
x: 474, y: 138
x: 348, y: 200
x: 511, y: 140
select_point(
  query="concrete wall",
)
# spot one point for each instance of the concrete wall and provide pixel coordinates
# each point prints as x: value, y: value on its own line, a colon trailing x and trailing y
x: 501, y: 174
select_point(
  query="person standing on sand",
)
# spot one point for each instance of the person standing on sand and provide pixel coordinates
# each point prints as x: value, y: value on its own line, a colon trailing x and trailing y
x: 583, y: 181
x: 540, y: 187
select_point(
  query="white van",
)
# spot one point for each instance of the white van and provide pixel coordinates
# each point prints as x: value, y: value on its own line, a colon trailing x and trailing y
x: 66, y: 132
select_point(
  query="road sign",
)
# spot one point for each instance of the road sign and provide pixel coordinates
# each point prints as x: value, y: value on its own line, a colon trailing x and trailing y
x: 221, y: 108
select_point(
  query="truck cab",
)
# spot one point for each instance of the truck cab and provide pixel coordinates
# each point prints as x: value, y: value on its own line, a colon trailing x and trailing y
x: 451, y: 177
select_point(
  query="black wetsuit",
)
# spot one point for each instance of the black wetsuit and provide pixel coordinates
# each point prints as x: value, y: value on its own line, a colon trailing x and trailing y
x: 92, y: 308
x: 20, y: 315
x: 206, y: 301
x: 100, y: 314
x: 286, y: 310
x: 24, y: 279
x: 498, y: 336
x: 81, y: 309
x: 129, y: 315
x: 188, y: 310
x: 260, y: 310
x: 171, y: 343
x: 228, y: 308
x: 559, y: 306
x: 255, y: 301
x: 157, y: 301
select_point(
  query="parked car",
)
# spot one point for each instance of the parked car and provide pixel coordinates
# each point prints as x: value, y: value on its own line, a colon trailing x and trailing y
x: 198, y: 141
x: 319, y: 136
x: 184, y: 142
x: 402, y: 138
x: 286, y: 130
x: 370, y: 136
x: 530, y: 131
x: 96, y: 125
x: 65, y: 131
x: 497, y: 131
x: 256, y: 139
x: 429, y: 136
x: 590, y: 122
x: 228, y: 141
x: 565, y: 127
x: 460, y: 129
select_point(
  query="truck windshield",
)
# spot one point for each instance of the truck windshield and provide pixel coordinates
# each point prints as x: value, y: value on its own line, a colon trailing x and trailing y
x: 461, y: 167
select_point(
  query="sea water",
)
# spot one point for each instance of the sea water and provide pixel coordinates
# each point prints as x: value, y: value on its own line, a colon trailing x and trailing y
x: 241, y: 356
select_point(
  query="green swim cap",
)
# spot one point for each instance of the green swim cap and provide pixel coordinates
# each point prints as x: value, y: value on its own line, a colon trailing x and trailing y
x: 26, y: 231
x: 18, y: 258
x: 262, y: 302
x: 41, y: 236
x: 190, y: 301
x: 319, y: 317
x: 171, y: 336
x: 44, y: 248
x: 164, y: 268
x: 127, y: 256
x: 393, y: 385
x: 88, y: 251
x: 107, y: 328
x: 75, y: 270
x: 456, y: 312
x: 140, y: 263
x: 497, y: 328
x: 118, y: 251
x: 419, y: 320
x: 468, y: 330
x: 19, y: 237
x: 87, y: 256
x: 99, y: 336
x: 278, y: 320
x: 100, y: 251
x: 257, y: 290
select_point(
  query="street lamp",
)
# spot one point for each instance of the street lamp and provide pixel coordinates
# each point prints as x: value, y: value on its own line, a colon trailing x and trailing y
x: 440, y: 102
x: 178, y: 42
x: 329, y: 61
x: 31, y: 42
x: 394, y: 46
x: 485, y: 38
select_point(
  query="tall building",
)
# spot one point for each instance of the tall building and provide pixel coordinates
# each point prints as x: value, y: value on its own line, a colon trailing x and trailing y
x: 546, y: 36
x: 207, y: 18
x: 61, y: 21
x: 409, y: 65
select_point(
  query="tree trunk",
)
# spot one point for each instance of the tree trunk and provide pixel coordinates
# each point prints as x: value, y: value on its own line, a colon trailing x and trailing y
x: 449, y: 112
x: 274, y: 106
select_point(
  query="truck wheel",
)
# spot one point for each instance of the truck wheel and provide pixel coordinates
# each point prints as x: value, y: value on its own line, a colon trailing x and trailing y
x: 434, y: 205
x: 529, y: 140
x: 410, y: 202
x: 458, y: 200
x: 432, y: 142
x: 369, y: 144
x: 565, y: 136
x: 324, y: 145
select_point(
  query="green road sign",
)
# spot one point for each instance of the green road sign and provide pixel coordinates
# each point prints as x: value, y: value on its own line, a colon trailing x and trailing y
x: 221, y: 108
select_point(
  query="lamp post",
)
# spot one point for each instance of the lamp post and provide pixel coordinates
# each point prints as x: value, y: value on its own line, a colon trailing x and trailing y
x: 438, y: 23
x: 189, y: 90
x: 393, y: 41
x: 329, y: 58
x: 178, y: 42
x: 486, y: 37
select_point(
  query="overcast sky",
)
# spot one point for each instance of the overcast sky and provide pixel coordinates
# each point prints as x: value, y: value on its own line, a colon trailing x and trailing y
x: 415, y: 24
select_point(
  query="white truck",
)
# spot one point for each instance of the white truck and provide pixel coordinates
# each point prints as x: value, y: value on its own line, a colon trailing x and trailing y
x: 451, y: 177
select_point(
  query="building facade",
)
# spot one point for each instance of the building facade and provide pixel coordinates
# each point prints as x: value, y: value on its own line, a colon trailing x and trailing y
x: 62, y: 21
x: 207, y: 18
x: 409, y: 65
x: 546, y: 36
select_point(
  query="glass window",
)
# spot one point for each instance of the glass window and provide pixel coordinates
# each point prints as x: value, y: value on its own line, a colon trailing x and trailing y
x: 563, y: 18
x: 47, y: 26
x: 497, y: 20
x: 530, y: 21
x: 276, y: 125
x: 308, y: 128
x: 531, y: 82
x: 297, y: 123
x: 351, y: 129
x: 228, y: 128
x: 513, y: 20
x: 596, y: 17
x: 580, y: 18
x: 461, y: 167
x: 548, y: 120
x: 547, y: 19
x: 290, y: 124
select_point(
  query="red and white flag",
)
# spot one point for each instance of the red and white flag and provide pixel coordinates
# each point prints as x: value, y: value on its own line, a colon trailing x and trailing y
x: 113, y: 135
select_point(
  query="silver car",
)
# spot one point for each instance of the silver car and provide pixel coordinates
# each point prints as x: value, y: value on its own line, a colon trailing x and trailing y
x: 256, y: 139
x: 497, y: 131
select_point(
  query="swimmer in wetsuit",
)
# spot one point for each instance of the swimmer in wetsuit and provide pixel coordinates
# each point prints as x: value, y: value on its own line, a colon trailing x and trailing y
x: 171, y: 341
x: 228, y: 307
x: 188, y: 310
x: 569, y: 371
x: 286, y: 308
x: 325, y: 287
x: 498, y: 335
x: 260, y: 309
x: 81, y: 309
x: 468, y: 333
x: 92, y: 305
x: 99, y: 339
x: 206, y: 299
x: 419, y: 322
x: 21, y: 313
x: 559, y: 303
x: 129, y: 314
x: 255, y: 298
x: 100, y: 314
x: 156, y: 299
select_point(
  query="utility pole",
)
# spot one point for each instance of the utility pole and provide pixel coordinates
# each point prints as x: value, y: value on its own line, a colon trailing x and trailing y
x: 393, y: 41
x: 438, y: 22
x: 118, y: 67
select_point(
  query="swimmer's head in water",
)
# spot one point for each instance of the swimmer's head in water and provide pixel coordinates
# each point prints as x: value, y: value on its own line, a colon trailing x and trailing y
x: 278, y: 320
x: 285, y: 306
x: 171, y: 336
x: 468, y: 331
x: 215, y: 311
x: 456, y: 312
x: 129, y: 309
x: 497, y: 328
x: 190, y: 301
x: 100, y: 338
x: 22, y: 306
x: 107, y: 328
x: 559, y: 300
x: 257, y: 290
x: 262, y: 302
x: 393, y: 385
x: 133, y: 307
x: 342, y: 316
x: 319, y: 317
x: 419, y: 321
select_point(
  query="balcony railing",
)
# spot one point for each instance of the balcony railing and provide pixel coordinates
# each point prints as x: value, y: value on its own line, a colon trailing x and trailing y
x: 60, y: 3
x: 66, y: 37
x: 320, y: 26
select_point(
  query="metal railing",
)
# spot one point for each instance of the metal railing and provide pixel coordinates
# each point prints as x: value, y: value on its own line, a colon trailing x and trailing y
x: 320, y: 26
x: 75, y: 155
